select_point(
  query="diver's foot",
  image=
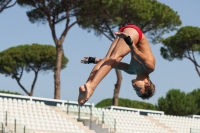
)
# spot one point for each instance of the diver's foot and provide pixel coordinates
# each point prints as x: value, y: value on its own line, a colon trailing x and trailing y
x: 85, y: 92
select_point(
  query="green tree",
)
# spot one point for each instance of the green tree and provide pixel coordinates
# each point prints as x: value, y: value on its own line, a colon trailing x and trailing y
x: 54, y: 12
x: 177, y: 103
x: 184, y: 44
x: 152, y: 17
x: 37, y: 58
x: 4, y: 4
x: 196, y: 94
x: 127, y: 103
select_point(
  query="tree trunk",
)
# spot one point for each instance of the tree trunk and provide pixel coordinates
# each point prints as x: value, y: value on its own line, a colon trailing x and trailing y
x: 117, y: 88
x: 33, y: 84
x: 59, y: 53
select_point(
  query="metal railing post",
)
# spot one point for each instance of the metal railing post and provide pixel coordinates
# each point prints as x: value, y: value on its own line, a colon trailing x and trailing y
x: 15, y: 126
x: 103, y: 117
x: 67, y: 107
x: 79, y: 117
x: 115, y: 125
x: 90, y: 116
x: 6, y: 120
x: 2, y: 128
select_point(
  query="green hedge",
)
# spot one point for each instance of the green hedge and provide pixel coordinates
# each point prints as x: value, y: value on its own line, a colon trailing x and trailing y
x: 127, y: 103
x: 8, y: 92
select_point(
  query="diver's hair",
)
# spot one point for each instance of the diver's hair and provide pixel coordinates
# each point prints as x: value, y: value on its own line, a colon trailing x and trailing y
x: 149, y: 90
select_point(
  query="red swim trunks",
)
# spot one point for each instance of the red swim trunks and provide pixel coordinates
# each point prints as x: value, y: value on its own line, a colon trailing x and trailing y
x: 134, y: 27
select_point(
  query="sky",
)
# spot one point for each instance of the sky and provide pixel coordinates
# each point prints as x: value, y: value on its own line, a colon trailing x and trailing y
x: 15, y: 29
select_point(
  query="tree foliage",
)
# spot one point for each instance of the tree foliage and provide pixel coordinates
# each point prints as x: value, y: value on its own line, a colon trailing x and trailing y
x: 36, y: 58
x: 52, y: 11
x: 127, y: 103
x: 184, y: 44
x: 196, y: 94
x: 178, y: 103
x: 153, y: 17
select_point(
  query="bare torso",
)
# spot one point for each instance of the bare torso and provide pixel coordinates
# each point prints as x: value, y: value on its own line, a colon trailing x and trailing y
x: 135, y: 64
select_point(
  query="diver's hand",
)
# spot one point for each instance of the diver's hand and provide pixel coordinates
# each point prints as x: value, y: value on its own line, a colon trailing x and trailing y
x: 85, y: 60
x: 121, y: 34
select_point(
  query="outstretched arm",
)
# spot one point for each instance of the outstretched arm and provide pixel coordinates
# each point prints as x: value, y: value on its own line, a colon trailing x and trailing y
x: 120, y: 66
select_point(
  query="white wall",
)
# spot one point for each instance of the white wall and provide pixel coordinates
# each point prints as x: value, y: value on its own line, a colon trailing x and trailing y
x: 98, y: 128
